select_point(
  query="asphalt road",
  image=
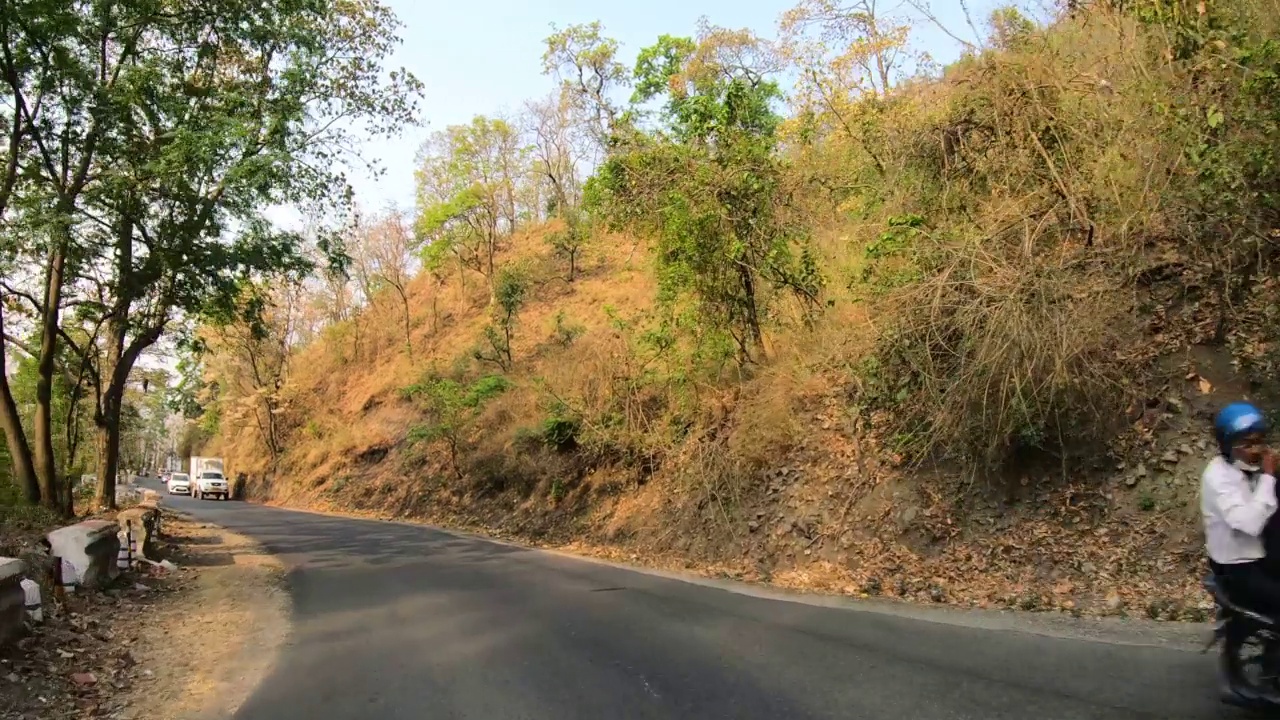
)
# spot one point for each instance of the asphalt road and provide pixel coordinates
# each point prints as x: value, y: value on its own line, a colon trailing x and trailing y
x: 396, y: 621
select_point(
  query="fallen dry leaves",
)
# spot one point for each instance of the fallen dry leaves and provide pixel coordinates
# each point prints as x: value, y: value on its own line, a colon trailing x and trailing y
x: 118, y: 653
x: 81, y: 661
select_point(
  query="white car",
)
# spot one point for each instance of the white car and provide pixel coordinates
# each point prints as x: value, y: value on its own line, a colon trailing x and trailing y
x: 179, y: 484
x: 210, y: 482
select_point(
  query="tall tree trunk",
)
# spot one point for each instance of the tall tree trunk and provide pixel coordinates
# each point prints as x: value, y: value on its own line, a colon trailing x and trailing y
x: 491, y: 249
x: 15, y: 437
x: 435, y: 310
x: 107, y: 434
x: 114, y: 373
x: 73, y: 448
x: 45, y: 462
x: 10, y: 421
x: 16, y: 440
x: 749, y: 307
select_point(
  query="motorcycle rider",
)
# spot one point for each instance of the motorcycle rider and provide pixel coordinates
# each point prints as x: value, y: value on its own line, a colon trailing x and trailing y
x: 1237, y: 499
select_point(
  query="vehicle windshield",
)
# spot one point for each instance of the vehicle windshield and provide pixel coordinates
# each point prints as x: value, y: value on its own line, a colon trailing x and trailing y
x: 179, y: 476
x: 211, y: 476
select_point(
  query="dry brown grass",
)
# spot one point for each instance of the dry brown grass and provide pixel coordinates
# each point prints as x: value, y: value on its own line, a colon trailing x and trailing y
x: 1040, y: 180
x: 1008, y: 352
x: 1009, y: 335
x: 346, y: 385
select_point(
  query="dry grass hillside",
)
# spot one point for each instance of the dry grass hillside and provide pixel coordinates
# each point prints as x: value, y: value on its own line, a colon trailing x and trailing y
x: 1043, y: 270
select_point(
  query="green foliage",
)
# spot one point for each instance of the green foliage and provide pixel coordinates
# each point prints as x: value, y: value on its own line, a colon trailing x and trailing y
x: 71, y: 406
x: 657, y: 64
x: 210, y: 422
x: 586, y: 63
x: 184, y: 397
x: 891, y: 260
x: 561, y: 428
x: 510, y: 289
x: 466, y: 193
x: 560, y: 433
x: 1146, y: 502
x: 707, y: 184
x: 564, y: 332
x: 1010, y: 29
x: 450, y: 407
x: 448, y: 224
x: 569, y: 242
x: 152, y: 142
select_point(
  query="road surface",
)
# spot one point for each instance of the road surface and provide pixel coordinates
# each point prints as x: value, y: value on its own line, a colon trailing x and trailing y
x: 402, y: 622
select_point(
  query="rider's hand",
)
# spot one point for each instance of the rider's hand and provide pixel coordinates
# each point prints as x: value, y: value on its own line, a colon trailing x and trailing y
x: 1269, y: 462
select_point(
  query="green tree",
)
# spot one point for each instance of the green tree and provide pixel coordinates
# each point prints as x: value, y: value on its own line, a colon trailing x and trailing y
x: 586, y: 64
x: 18, y: 460
x: 450, y: 406
x: 467, y: 193
x: 70, y: 412
x: 511, y: 289
x: 210, y: 119
x: 249, y: 359
x: 569, y: 241
x: 706, y: 183
x: 64, y: 67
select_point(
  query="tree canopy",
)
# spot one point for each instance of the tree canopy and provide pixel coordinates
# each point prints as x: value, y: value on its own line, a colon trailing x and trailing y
x: 147, y: 143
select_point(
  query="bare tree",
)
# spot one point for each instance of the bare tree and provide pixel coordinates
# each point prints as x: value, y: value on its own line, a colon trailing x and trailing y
x: 926, y: 11
x: 856, y: 47
x: 250, y: 361
x: 562, y: 151
x: 382, y: 251
x: 559, y: 148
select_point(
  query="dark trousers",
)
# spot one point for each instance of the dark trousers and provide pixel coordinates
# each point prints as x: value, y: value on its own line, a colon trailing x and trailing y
x: 1252, y: 585
x: 1271, y: 545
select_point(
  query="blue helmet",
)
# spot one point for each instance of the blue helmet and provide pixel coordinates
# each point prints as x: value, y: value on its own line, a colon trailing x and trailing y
x: 1235, y: 421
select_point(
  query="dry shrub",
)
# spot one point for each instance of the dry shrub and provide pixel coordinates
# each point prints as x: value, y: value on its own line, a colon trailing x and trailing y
x: 612, y: 390
x: 998, y: 273
x: 1006, y: 349
x: 765, y: 426
x: 493, y: 473
x: 713, y: 476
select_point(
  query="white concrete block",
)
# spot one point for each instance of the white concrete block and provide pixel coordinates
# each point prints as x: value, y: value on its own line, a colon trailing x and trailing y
x: 90, y: 548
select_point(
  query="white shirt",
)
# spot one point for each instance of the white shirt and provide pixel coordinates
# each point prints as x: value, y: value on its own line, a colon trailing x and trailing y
x: 1235, y: 510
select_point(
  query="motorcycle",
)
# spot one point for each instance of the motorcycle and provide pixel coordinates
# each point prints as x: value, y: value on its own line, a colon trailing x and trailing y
x: 1250, y: 649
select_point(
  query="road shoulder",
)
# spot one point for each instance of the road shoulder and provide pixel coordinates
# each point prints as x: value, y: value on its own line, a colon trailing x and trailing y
x: 210, y: 645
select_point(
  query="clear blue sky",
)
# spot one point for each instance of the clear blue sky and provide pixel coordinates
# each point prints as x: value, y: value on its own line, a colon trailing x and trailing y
x: 484, y: 56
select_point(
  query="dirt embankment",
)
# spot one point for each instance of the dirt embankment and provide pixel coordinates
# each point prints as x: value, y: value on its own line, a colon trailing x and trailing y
x: 785, y: 485
x: 188, y: 643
